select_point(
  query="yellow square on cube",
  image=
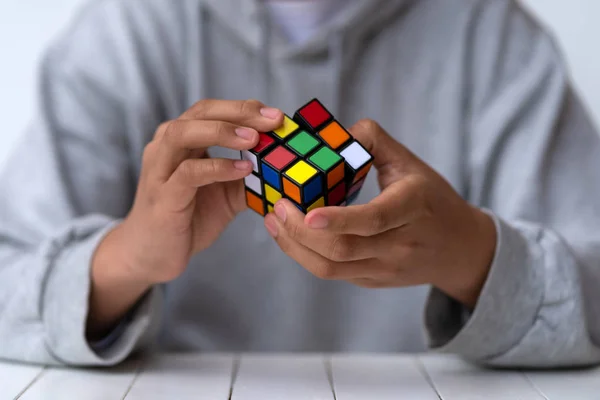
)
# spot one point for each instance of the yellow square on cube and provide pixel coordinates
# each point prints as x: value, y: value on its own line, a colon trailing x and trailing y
x: 317, y: 204
x: 301, y: 172
x: 270, y: 209
x: 289, y: 127
x: 272, y: 195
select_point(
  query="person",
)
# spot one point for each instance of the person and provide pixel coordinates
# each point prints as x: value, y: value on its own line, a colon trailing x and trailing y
x: 122, y: 212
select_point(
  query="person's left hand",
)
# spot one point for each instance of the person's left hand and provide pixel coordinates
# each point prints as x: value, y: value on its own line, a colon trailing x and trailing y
x: 417, y: 231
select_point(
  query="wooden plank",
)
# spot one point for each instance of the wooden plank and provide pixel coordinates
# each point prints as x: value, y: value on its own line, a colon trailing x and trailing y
x: 275, y: 377
x: 184, y: 376
x: 14, y: 378
x: 581, y: 384
x: 455, y: 379
x: 381, y: 377
x: 89, y: 384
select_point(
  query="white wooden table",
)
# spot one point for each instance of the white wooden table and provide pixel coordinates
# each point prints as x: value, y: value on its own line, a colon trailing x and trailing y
x: 295, y: 377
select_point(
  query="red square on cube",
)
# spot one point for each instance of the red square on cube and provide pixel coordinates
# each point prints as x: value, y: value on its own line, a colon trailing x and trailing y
x: 280, y: 157
x: 336, y: 195
x: 264, y: 141
x: 315, y: 114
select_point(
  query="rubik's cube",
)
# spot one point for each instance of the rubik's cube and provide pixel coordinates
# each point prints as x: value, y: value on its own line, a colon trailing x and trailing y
x: 311, y: 160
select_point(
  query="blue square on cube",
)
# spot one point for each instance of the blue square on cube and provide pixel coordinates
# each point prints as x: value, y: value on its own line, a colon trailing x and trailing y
x: 271, y: 177
x: 313, y: 189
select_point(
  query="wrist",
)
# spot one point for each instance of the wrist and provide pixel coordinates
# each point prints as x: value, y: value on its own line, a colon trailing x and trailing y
x: 115, y: 262
x: 469, y: 274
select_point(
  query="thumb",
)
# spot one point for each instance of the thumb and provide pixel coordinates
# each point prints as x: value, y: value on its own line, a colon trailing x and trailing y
x: 386, y: 151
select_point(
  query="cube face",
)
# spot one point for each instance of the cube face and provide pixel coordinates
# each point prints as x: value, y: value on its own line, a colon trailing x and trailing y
x: 310, y: 160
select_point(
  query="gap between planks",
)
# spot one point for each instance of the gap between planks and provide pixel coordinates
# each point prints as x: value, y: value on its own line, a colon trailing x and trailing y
x: 423, y: 370
x: 30, y: 384
x: 138, y: 371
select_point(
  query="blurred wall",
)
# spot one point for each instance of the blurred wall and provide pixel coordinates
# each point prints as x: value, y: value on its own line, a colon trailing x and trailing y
x: 26, y: 27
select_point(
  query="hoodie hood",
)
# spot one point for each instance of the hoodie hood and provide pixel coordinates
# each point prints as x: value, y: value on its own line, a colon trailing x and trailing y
x: 249, y: 20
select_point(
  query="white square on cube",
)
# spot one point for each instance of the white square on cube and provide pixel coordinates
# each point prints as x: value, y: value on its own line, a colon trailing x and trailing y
x: 355, y: 155
x: 246, y: 155
x: 253, y: 182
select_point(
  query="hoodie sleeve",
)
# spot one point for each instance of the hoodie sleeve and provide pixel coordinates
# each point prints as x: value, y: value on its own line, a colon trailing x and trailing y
x: 68, y: 182
x: 534, y: 165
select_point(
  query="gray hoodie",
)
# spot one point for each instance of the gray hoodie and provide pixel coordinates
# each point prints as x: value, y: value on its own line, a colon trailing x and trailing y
x: 474, y: 87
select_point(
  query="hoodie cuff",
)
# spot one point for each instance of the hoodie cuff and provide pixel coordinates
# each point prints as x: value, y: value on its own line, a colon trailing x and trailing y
x: 66, y: 300
x: 507, y: 306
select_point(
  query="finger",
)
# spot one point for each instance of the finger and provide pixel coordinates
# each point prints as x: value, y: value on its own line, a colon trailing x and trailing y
x: 314, y: 262
x: 393, y: 281
x: 396, y: 206
x: 194, y: 173
x: 384, y: 148
x: 181, y: 137
x: 369, y: 283
x: 333, y: 246
x: 251, y: 113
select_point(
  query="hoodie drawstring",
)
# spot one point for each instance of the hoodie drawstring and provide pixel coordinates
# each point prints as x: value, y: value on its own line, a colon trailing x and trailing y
x: 336, y: 53
x: 204, y: 32
x: 264, y: 85
x: 265, y: 89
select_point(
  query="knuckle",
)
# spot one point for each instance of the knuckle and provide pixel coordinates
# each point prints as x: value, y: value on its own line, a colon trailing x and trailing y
x: 173, y: 131
x: 294, y: 231
x: 366, y: 283
x: 369, y: 124
x: 200, y: 109
x: 326, y: 270
x: 160, y: 131
x: 283, y: 243
x: 148, y: 153
x: 377, y: 220
x: 188, y: 170
x: 222, y: 131
x: 249, y: 106
x: 211, y: 167
x: 341, y: 249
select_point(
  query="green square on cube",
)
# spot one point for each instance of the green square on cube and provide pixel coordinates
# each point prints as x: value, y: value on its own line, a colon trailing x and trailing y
x: 303, y: 143
x: 325, y: 158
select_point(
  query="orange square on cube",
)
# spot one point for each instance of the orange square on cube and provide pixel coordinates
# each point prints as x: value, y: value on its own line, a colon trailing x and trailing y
x: 361, y: 174
x: 292, y: 190
x: 336, y: 175
x: 255, y: 203
x: 334, y: 135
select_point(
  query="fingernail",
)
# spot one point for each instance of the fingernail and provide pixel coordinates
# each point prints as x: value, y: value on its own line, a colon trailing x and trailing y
x: 271, y: 227
x: 318, y: 222
x: 271, y: 113
x: 280, y: 212
x: 242, y: 165
x: 246, y: 133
